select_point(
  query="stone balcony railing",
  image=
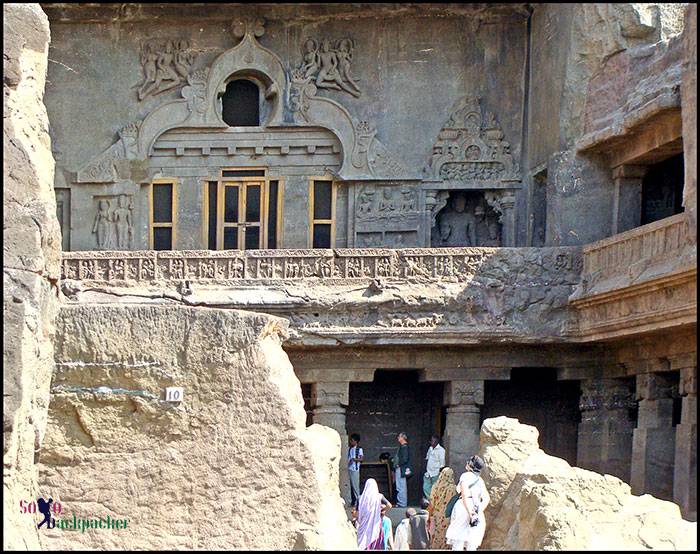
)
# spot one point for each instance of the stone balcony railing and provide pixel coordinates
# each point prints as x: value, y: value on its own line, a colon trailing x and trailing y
x: 638, y: 280
x: 455, y: 264
x: 408, y: 296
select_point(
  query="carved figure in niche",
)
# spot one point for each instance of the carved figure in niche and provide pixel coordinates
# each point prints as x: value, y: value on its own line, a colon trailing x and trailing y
x: 387, y: 204
x: 123, y: 222
x: 102, y: 224
x: 329, y: 67
x: 365, y: 202
x: 456, y: 226
x: 408, y: 200
x: 487, y: 228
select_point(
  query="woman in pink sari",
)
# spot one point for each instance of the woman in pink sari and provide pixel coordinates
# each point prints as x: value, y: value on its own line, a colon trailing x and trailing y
x: 369, y: 517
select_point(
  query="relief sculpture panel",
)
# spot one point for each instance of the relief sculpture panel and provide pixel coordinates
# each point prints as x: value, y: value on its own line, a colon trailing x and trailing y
x: 386, y: 215
x: 327, y: 65
x: 166, y: 65
x: 113, y: 224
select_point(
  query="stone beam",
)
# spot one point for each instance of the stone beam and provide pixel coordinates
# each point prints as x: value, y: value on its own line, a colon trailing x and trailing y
x: 577, y: 373
x: 335, y: 375
x: 458, y: 373
x: 653, y: 143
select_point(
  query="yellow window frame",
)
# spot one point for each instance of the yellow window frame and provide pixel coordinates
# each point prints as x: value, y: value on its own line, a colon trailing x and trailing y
x: 173, y: 214
x: 331, y: 221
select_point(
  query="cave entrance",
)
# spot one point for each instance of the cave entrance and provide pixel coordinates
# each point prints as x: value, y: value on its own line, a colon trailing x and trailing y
x: 394, y: 402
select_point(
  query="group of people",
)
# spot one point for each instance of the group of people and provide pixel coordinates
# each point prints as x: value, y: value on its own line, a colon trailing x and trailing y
x: 450, y: 515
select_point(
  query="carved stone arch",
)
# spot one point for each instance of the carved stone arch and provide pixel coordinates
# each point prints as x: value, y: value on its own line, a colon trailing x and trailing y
x: 247, y: 58
x: 364, y: 157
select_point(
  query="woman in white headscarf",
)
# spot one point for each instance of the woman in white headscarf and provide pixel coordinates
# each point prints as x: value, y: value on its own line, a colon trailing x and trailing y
x: 369, y: 517
x: 467, y: 524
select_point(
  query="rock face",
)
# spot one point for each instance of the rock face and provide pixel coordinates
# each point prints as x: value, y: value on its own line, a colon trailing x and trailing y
x: 230, y: 466
x: 689, y: 99
x: 539, y: 502
x: 32, y: 250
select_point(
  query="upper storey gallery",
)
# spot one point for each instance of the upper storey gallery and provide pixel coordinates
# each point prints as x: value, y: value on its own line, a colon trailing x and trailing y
x: 218, y: 127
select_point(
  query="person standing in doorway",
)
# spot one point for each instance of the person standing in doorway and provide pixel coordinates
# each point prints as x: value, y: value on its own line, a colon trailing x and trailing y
x: 402, y: 470
x: 355, y: 456
x: 435, y: 461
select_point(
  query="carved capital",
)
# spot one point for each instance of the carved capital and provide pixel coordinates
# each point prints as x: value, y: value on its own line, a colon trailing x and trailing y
x: 330, y: 396
x: 654, y: 386
x: 468, y: 395
x: 688, y: 381
x: 606, y: 394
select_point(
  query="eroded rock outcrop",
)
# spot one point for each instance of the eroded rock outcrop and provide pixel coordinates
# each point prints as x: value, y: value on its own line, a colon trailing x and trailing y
x: 31, y: 250
x: 539, y: 502
x: 230, y: 466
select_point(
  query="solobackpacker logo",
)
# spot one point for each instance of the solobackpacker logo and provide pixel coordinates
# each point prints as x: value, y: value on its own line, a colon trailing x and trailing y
x: 47, y: 509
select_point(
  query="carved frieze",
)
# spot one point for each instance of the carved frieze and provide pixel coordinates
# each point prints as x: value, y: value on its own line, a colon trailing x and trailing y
x: 471, y: 148
x: 165, y: 64
x: 327, y: 65
x: 454, y: 264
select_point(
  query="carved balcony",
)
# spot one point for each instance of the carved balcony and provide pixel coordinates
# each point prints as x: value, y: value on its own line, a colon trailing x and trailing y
x: 638, y: 281
x: 370, y: 296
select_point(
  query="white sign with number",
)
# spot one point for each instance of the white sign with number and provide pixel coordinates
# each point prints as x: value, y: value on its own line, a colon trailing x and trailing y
x: 174, y: 394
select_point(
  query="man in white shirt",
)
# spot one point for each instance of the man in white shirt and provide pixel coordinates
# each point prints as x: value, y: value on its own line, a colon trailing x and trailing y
x: 355, y: 456
x: 435, y: 461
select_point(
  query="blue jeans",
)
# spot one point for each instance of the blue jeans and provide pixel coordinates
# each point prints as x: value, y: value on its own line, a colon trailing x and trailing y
x: 401, y: 492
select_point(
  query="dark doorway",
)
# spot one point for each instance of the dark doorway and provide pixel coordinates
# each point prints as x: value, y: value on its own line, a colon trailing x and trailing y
x: 241, y: 104
x: 662, y: 190
x: 535, y: 397
x: 395, y: 401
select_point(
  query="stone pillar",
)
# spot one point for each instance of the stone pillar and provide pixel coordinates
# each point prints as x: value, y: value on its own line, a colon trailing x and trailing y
x: 627, y: 201
x: 685, y: 471
x: 508, y: 205
x: 653, y: 444
x: 328, y: 401
x: 605, y: 431
x: 463, y: 400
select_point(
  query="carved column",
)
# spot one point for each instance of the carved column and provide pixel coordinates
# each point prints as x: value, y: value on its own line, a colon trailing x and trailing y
x: 653, y: 444
x: 463, y: 400
x: 605, y: 431
x: 627, y: 200
x: 685, y: 474
x: 328, y: 401
x: 507, y: 205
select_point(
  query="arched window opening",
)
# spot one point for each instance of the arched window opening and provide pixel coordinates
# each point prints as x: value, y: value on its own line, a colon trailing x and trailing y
x: 241, y: 104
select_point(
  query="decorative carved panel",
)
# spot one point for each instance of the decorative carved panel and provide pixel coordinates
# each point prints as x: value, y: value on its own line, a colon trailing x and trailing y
x: 471, y: 148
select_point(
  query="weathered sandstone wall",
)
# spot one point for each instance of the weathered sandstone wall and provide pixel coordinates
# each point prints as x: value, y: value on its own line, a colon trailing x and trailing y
x: 31, y: 250
x: 539, y: 502
x: 689, y: 100
x: 230, y: 466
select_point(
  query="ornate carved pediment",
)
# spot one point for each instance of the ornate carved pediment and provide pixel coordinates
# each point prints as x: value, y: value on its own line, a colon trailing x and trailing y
x: 364, y: 156
x: 471, y: 148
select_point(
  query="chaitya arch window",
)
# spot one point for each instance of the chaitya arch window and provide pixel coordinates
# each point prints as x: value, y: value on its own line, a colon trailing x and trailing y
x: 241, y: 104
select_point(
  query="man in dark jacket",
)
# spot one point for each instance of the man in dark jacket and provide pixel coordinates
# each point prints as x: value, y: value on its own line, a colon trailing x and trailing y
x: 402, y: 463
